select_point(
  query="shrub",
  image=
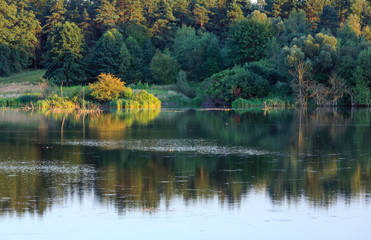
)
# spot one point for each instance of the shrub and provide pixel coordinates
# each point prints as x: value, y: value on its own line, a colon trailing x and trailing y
x: 108, y: 88
x: 141, y: 99
x: 124, y: 103
x: 130, y: 104
x: 127, y: 93
x: 226, y: 86
x: 116, y: 104
x: 56, y: 102
x: 146, y: 100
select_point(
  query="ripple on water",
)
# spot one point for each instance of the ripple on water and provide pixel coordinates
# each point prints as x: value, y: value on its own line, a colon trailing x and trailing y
x: 45, y: 167
x: 199, y: 146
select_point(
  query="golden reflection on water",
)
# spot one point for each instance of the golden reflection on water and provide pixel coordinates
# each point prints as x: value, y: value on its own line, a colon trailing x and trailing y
x: 113, y: 126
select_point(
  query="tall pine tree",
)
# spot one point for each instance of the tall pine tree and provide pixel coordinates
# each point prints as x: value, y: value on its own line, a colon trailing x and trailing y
x: 130, y: 11
x: 57, y: 15
x: 106, y: 17
x: 328, y: 20
x: 164, y: 26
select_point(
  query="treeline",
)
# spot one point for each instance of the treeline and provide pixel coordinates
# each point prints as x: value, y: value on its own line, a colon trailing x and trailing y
x: 215, y: 50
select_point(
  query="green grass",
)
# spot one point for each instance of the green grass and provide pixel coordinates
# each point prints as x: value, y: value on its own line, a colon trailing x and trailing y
x: 169, y: 96
x: 24, y: 100
x: 263, y: 102
x: 31, y: 76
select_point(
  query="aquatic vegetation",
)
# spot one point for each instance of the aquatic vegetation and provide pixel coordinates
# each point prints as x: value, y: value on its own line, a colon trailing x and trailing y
x: 146, y: 100
x: 266, y: 103
x: 56, y: 102
x: 26, y: 99
x: 141, y: 99
x: 124, y: 103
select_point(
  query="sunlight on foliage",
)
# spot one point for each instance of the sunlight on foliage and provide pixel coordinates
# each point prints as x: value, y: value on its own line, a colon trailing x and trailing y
x: 107, y: 88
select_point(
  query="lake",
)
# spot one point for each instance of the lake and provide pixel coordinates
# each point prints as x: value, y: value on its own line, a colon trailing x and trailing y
x: 186, y: 174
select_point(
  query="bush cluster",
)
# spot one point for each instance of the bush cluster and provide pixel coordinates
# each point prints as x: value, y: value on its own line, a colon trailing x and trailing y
x: 57, y: 102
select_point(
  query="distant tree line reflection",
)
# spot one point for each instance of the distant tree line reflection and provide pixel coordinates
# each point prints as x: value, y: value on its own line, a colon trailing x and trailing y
x: 320, y: 156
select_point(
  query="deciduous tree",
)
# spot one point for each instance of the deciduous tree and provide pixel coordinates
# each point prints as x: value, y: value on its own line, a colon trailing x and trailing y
x: 64, y: 56
x: 247, y: 40
x: 164, y: 68
x: 110, y: 55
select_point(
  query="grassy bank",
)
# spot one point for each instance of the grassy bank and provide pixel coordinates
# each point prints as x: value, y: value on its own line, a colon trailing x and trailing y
x: 20, y: 89
x: 16, y: 90
x: 30, y: 76
x: 168, y: 95
x: 262, y: 102
x: 27, y: 99
x: 23, y: 89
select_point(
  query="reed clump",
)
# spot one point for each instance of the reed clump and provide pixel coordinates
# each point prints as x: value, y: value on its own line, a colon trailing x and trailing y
x: 139, y: 100
x: 265, y: 103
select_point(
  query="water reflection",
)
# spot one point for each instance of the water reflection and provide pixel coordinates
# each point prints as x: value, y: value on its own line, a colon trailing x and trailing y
x: 135, y: 159
x: 113, y: 126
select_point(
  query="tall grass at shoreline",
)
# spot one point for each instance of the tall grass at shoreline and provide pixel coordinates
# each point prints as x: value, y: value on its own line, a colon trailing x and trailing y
x: 26, y: 99
x: 266, y: 103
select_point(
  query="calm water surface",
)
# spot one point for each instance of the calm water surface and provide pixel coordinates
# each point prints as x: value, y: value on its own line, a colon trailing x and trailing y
x: 186, y: 174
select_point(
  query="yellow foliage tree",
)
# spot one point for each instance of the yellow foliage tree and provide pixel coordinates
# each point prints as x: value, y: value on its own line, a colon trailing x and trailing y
x: 354, y: 23
x: 259, y: 16
x: 366, y: 31
x: 108, y: 87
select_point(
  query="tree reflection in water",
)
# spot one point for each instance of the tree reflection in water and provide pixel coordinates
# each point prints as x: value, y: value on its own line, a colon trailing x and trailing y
x: 320, y: 156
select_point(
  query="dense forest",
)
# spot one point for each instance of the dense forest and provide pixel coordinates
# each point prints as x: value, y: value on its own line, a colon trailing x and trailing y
x: 217, y: 51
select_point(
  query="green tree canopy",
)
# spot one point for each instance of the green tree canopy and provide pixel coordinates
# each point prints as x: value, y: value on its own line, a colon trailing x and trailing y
x: 319, y: 54
x: 201, y: 15
x: 247, y: 40
x: 197, y: 54
x: 163, y: 28
x: 107, y: 16
x: 18, y: 37
x: 130, y: 11
x: 164, y: 67
x: 329, y: 19
x: 110, y: 55
x: 64, y: 56
x: 281, y: 8
x: 57, y: 15
x: 362, y: 78
x: 136, y: 60
x: 185, y: 45
x: 18, y: 27
x: 234, y: 14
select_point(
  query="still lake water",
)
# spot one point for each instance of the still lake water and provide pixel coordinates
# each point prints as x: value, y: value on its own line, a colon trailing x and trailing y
x: 186, y: 174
